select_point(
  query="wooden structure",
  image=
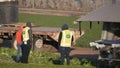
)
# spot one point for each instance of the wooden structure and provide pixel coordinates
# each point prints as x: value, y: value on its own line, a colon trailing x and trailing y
x: 107, y: 46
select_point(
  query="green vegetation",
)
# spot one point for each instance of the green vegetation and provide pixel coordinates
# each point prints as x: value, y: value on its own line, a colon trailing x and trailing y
x: 91, y: 34
x: 39, y: 59
x: 47, y: 20
x: 56, y: 21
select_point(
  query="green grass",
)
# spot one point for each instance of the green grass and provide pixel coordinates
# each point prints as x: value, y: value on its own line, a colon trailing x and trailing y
x: 56, y: 21
x: 39, y: 59
x: 43, y: 60
x: 6, y: 65
x: 91, y: 34
x: 47, y: 20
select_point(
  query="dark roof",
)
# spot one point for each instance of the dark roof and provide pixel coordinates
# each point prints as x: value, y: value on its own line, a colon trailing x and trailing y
x: 108, y: 13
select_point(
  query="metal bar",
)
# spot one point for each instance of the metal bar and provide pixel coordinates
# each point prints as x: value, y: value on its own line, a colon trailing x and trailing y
x: 80, y: 27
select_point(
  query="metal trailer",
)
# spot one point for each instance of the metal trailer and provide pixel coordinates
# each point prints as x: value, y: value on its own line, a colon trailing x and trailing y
x: 41, y: 35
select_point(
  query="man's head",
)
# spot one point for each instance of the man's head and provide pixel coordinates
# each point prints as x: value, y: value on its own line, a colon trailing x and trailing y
x: 64, y: 27
x: 28, y: 24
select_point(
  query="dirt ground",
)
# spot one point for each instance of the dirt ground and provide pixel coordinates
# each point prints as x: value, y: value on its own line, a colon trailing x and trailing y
x: 84, y: 53
x: 80, y: 53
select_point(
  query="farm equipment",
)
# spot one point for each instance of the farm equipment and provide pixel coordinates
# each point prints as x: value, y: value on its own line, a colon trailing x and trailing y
x: 108, y: 49
x: 41, y: 35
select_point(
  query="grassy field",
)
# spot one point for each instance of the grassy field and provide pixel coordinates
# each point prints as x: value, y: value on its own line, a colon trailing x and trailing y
x: 48, y: 59
x: 56, y: 21
x: 39, y: 60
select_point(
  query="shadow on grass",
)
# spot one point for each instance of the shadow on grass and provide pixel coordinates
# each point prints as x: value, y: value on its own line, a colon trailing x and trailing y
x: 93, y: 60
x: 55, y: 61
x: 14, y: 58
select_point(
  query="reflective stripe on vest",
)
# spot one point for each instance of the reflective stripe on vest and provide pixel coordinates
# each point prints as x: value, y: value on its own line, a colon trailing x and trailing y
x: 66, y: 38
x: 25, y: 34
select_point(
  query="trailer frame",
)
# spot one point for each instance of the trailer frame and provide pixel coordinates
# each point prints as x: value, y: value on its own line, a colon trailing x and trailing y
x: 40, y: 34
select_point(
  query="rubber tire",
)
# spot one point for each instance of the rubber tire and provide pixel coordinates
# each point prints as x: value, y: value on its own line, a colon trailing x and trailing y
x: 37, y: 43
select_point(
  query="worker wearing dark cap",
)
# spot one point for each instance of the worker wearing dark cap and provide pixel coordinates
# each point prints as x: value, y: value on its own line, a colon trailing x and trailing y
x: 65, y: 40
x: 27, y: 42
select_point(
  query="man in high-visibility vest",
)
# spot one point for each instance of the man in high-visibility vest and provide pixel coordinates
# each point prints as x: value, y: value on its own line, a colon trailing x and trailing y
x: 65, y: 41
x: 27, y: 42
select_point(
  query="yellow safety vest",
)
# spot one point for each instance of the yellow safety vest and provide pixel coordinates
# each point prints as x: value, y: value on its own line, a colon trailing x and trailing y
x: 66, y: 38
x: 25, y: 34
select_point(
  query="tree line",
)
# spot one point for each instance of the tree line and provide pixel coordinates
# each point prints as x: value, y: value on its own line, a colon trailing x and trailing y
x: 69, y: 5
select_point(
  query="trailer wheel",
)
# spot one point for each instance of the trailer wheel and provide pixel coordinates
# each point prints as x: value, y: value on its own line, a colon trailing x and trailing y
x: 38, y: 43
x: 14, y: 43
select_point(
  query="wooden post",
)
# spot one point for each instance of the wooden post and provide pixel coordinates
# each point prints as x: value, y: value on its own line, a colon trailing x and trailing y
x: 80, y: 27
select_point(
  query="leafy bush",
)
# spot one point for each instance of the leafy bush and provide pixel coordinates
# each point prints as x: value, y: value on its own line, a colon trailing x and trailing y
x: 34, y: 57
x: 85, y: 62
x: 41, y: 57
x: 9, y: 54
x: 75, y: 61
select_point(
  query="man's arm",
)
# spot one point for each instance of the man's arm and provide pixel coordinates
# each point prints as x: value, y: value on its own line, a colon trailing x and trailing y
x: 59, y: 38
x: 30, y: 35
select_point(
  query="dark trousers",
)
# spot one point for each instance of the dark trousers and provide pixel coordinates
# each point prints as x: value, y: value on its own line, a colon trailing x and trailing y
x: 25, y: 52
x: 65, y: 51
